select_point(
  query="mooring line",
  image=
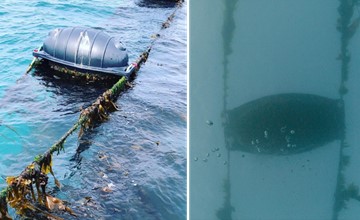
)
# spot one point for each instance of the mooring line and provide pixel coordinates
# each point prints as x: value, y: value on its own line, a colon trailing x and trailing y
x: 20, y: 193
x: 347, y: 29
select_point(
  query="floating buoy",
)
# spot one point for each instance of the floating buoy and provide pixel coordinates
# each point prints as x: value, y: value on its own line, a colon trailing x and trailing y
x: 285, y: 124
x: 86, y: 50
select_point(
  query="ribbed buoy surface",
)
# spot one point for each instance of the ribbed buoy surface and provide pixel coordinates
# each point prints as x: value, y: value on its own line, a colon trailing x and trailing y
x: 85, y: 48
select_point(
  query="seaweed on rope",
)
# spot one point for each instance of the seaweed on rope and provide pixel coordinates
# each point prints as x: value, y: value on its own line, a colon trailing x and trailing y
x: 347, y: 26
x: 26, y: 193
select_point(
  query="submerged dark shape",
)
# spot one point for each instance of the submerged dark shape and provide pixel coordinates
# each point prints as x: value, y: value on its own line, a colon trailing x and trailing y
x: 86, y: 49
x: 285, y: 123
x: 157, y: 3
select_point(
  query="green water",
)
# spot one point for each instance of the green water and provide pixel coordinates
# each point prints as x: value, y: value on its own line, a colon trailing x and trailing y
x: 244, y: 50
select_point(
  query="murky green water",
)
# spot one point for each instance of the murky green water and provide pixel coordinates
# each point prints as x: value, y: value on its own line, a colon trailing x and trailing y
x: 249, y: 50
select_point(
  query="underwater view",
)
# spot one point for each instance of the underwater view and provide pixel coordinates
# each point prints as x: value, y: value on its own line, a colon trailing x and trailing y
x: 274, y: 129
x: 130, y: 165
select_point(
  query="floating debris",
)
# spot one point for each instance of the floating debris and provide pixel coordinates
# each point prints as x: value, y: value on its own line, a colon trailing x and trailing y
x: 137, y: 147
x: 266, y: 135
x: 102, y: 156
x: 210, y: 123
x: 107, y: 188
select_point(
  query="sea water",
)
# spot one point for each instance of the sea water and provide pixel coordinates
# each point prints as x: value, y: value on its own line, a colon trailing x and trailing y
x: 140, y: 152
x: 242, y: 50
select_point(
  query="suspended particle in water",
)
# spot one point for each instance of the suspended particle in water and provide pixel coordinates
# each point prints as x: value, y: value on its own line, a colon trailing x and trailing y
x: 207, y: 155
x: 266, y: 135
x: 243, y: 155
x: 288, y: 145
x: 252, y: 142
x: 196, y: 159
x: 217, y: 149
x: 209, y: 122
x: 205, y: 160
x: 219, y: 155
x: 287, y: 138
x: 283, y: 129
x: 225, y: 162
x: 292, y: 132
x: 293, y: 146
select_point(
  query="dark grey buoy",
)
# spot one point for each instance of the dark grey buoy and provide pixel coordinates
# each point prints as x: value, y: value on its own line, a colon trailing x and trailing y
x: 85, y: 49
x: 285, y: 124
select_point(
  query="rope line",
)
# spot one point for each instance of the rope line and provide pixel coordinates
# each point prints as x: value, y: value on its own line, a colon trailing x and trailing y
x: 347, y: 28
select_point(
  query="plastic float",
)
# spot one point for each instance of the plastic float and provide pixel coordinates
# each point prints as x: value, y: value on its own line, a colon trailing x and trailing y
x: 285, y: 123
x: 85, y: 50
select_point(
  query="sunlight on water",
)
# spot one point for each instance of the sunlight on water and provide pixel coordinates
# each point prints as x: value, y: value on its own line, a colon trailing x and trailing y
x: 284, y: 112
x: 134, y: 165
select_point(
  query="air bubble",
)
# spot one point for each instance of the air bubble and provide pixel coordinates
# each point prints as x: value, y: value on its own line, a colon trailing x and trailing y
x: 287, y: 138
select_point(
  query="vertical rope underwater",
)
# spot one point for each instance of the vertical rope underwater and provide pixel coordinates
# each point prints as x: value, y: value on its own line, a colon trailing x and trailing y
x: 225, y: 212
x: 347, y: 29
